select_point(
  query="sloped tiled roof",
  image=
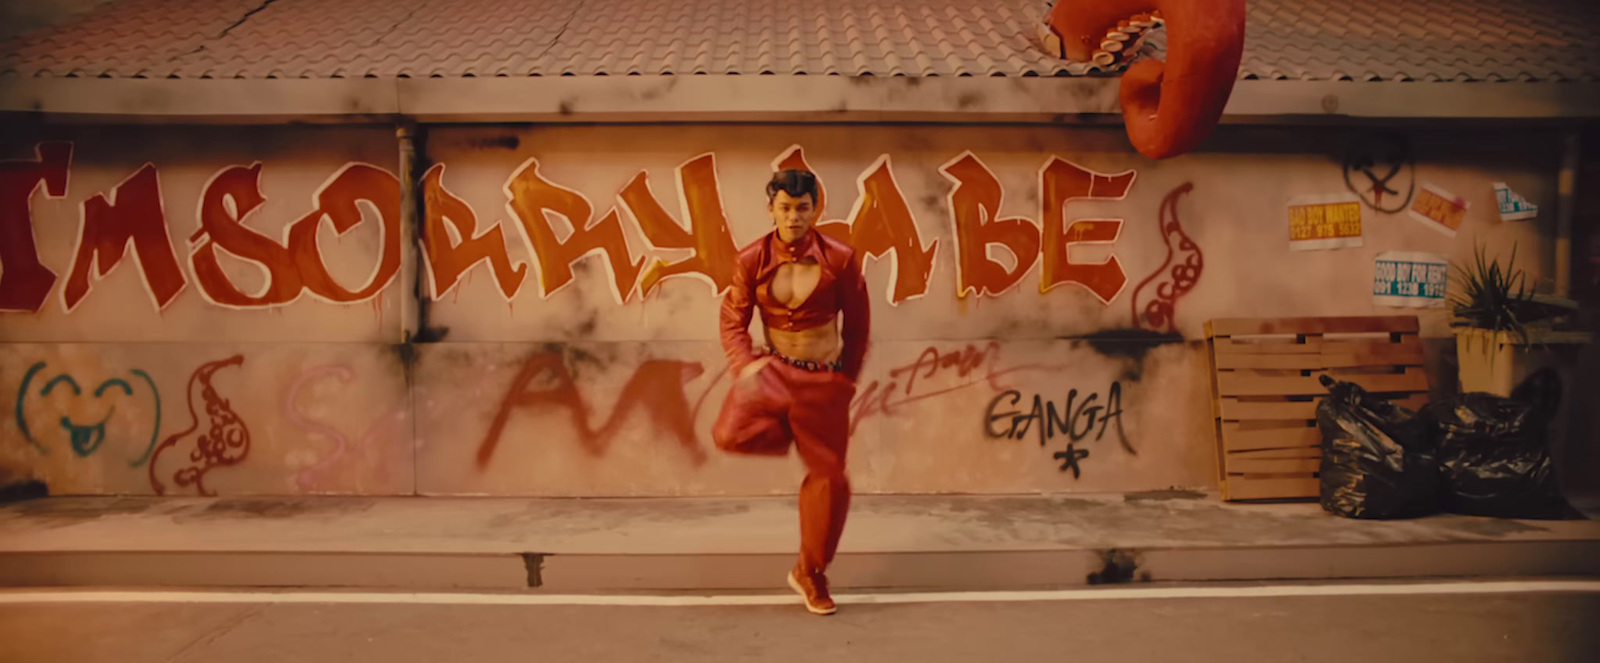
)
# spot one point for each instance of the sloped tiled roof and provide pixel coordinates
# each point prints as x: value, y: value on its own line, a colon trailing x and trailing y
x: 1427, y: 40
x: 1445, y: 40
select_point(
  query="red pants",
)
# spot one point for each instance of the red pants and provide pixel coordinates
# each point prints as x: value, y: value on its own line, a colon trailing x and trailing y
x: 783, y: 403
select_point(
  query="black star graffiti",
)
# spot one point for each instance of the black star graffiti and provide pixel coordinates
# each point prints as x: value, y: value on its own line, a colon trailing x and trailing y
x: 1069, y: 458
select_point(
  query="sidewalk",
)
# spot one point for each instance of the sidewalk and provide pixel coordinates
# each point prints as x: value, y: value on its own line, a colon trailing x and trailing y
x: 893, y: 542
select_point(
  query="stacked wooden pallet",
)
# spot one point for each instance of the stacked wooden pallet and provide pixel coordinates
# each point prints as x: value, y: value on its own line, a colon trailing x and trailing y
x: 1266, y: 387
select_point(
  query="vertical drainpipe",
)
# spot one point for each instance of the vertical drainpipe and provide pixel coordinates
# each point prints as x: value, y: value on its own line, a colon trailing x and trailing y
x: 1566, y: 193
x: 413, y: 145
x: 411, y: 298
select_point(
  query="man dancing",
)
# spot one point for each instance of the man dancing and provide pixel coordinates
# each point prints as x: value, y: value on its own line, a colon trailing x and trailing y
x: 799, y: 387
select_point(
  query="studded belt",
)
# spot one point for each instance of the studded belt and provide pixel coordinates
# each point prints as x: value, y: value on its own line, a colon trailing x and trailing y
x: 806, y: 364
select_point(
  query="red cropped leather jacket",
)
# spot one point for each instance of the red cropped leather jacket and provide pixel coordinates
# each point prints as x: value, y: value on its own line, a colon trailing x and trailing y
x: 841, y: 289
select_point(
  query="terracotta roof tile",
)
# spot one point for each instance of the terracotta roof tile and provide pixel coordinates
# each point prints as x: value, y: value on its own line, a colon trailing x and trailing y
x: 1474, y: 40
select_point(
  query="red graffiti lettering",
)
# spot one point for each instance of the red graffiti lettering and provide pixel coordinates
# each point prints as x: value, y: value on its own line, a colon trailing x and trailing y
x: 1061, y: 182
x: 24, y: 281
x: 133, y: 215
x: 535, y: 198
x: 451, y: 256
x: 964, y: 361
x: 339, y: 202
x: 974, y: 208
x: 297, y: 264
x: 933, y: 374
x: 1154, y: 307
x: 656, y: 387
x: 222, y: 228
x: 714, y: 250
x: 225, y: 442
x: 880, y: 223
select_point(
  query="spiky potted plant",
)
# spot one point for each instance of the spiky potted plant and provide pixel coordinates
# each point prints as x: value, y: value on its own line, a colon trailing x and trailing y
x: 1504, y: 331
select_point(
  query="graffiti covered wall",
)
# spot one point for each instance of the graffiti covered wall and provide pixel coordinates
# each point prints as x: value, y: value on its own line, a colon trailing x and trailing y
x: 219, y: 309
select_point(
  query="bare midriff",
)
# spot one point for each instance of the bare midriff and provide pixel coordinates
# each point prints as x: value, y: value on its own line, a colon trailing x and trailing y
x: 819, y: 343
x: 793, y: 284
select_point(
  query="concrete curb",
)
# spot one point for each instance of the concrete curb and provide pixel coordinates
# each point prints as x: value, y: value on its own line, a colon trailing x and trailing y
x: 931, y: 571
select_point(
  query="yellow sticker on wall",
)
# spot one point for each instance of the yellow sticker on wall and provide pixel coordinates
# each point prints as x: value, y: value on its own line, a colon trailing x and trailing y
x: 1324, y: 222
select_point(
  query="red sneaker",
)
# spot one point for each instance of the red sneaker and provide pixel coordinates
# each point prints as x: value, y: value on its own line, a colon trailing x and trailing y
x: 814, y: 588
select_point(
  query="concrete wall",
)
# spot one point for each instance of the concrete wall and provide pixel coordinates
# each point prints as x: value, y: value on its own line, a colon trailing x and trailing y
x: 275, y: 362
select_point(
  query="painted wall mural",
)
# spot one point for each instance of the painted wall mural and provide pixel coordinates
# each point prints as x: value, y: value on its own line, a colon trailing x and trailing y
x: 619, y: 419
x: 192, y: 315
x: 181, y: 419
x: 561, y: 227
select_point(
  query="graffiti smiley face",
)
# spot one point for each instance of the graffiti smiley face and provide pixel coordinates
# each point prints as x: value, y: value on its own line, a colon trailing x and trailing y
x: 81, y: 417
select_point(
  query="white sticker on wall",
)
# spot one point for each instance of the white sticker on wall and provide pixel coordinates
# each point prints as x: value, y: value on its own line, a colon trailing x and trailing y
x: 1512, y: 206
x: 1410, y: 280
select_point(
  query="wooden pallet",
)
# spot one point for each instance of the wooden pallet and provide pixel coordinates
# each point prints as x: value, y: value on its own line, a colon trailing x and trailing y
x: 1265, y: 391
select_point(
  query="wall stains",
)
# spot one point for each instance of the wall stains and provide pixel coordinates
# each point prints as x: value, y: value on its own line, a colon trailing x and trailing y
x: 1163, y: 495
x: 1118, y: 567
x: 19, y: 491
x: 406, y: 355
x: 274, y: 508
x: 1130, y: 345
x: 506, y: 142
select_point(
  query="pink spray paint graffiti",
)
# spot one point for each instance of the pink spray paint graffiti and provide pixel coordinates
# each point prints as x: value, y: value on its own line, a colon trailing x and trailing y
x: 314, y: 476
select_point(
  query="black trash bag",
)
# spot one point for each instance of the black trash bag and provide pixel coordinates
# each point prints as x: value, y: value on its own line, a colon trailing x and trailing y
x: 1495, y: 453
x: 1377, y: 459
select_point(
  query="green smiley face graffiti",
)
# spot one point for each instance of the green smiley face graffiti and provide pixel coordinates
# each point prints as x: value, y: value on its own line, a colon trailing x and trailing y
x: 86, y: 438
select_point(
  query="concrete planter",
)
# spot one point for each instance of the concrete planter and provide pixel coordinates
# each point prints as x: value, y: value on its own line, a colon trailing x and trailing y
x: 1496, y: 362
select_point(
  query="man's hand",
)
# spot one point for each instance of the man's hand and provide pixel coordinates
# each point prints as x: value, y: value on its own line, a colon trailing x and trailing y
x: 748, y: 373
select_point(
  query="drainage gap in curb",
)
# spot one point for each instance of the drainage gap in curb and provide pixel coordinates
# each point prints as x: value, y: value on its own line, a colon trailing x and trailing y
x: 534, y: 562
x: 1118, y: 567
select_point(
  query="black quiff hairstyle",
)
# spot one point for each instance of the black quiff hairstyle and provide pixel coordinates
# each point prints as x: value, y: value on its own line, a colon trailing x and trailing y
x: 796, y: 183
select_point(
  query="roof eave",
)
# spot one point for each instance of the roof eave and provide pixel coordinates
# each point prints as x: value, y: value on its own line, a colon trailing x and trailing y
x: 771, y: 98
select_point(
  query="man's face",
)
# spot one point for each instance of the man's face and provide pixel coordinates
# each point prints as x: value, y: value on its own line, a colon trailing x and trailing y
x: 793, y: 216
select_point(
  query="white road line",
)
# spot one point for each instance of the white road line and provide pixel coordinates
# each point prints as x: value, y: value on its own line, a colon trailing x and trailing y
x: 1098, y: 594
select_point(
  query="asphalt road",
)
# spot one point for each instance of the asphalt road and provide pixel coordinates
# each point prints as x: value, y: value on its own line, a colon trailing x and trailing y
x: 1418, y: 627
